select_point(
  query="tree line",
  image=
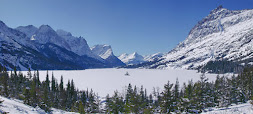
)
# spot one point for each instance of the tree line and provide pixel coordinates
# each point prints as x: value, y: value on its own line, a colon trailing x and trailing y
x: 47, y: 94
x: 192, y: 97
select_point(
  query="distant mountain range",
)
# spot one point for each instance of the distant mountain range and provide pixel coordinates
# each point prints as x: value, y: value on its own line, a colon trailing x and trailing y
x: 44, y: 48
x: 135, y: 58
x: 222, y: 35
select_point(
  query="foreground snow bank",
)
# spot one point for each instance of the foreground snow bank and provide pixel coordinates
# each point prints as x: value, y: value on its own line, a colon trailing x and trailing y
x: 245, y: 108
x: 14, y: 106
x: 106, y: 81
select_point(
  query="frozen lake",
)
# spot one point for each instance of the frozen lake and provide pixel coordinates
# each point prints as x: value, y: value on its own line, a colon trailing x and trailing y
x: 106, y: 81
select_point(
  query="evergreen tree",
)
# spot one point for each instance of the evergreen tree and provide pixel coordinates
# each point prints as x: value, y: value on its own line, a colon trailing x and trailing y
x: 176, y: 100
x: 33, y: 92
x: 129, y: 94
x: 29, y: 74
x: 27, y: 99
x: 167, y: 98
x: 5, y: 82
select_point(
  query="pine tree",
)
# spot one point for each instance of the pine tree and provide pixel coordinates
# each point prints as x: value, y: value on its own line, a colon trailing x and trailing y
x: 92, y: 104
x: 33, y: 92
x: 5, y: 82
x: 63, y: 95
x: 167, y: 98
x: 69, y: 98
x: 84, y: 99
x: 29, y: 74
x: 129, y: 94
x: 38, y: 79
x: 45, y: 104
x: 81, y: 108
x: 27, y: 99
x: 176, y: 96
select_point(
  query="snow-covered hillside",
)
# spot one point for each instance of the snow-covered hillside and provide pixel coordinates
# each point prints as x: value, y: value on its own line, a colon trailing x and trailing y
x: 153, y: 56
x: 106, y: 81
x: 105, y: 52
x: 133, y: 58
x: 14, y: 106
x: 223, y: 34
x: 245, y: 108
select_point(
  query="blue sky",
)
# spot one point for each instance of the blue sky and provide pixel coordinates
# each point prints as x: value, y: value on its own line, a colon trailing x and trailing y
x: 144, y: 26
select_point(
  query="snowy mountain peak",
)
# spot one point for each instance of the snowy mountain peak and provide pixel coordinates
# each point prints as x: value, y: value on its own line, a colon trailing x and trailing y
x: 77, y: 45
x: 219, y: 8
x: 217, y: 21
x: 104, y: 51
x: 135, y: 54
x: 45, y: 29
x: 133, y: 58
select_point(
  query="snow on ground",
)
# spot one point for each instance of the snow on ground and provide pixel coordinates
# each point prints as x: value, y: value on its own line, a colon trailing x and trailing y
x: 14, y: 106
x: 106, y: 81
x: 245, y: 108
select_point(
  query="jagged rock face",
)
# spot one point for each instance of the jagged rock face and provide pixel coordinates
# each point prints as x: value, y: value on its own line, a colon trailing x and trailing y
x: 223, y: 34
x: 28, y: 30
x: 105, y: 52
x: 45, y: 34
x: 130, y: 59
x: 46, y: 50
x: 78, y: 45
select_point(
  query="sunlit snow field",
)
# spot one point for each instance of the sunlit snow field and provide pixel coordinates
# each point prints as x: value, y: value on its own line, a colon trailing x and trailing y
x: 106, y: 81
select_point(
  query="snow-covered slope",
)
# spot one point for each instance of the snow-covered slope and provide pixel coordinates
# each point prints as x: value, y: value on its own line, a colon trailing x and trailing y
x: 223, y: 34
x: 77, y: 45
x: 245, y: 108
x: 45, y: 34
x: 13, y: 106
x: 133, y: 58
x: 153, y: 56
x: 105, y: 52
x: 43, y: 50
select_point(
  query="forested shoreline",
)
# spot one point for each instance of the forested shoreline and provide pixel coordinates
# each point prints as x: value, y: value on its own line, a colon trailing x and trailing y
x: 190, y: 97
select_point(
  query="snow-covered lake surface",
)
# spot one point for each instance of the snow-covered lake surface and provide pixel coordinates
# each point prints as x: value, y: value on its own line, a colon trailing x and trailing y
x: 106, y: 81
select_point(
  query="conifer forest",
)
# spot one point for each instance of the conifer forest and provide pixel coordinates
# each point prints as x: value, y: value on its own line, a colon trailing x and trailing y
x: 192, y: 97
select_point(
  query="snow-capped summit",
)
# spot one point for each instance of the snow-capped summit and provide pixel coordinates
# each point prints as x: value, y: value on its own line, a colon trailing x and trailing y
x: 77, y: 45
x: 133, y: 58
x: 153, y: 56
x: 105, y: 52
x: 45, y: 34
x: 223, y: 34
